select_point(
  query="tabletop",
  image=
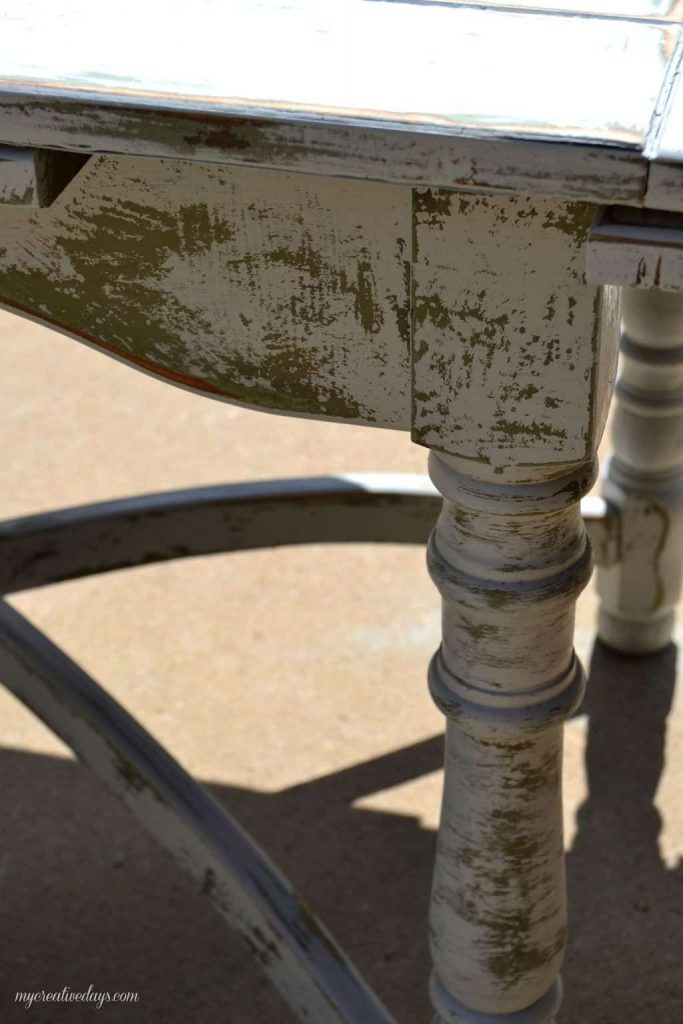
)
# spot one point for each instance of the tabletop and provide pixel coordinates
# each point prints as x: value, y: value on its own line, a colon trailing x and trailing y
x: 398, y: 90
x: 466, y: 133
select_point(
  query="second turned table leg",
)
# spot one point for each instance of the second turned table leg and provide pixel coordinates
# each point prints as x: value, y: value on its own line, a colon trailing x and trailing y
x: 645, y: 476
x: 509, y: 561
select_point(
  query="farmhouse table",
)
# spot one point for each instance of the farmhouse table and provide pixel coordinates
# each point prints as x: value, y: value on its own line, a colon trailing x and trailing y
x: 418, y: 214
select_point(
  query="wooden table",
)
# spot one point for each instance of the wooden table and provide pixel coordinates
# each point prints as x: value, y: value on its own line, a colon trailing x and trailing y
x: 415, y: 214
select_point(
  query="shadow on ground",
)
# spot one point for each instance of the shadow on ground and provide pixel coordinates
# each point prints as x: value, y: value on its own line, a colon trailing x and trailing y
x: 88, y: 899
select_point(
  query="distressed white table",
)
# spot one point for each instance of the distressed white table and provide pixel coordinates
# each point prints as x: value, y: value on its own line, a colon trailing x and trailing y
x: 410, y: 214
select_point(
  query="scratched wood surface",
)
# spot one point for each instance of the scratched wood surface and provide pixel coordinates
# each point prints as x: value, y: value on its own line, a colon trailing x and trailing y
x: 462, y: 315
x: 589, y: 171
x: 304, y: 295
x: 314, y: 87
x: 283, y: 291
x: 331, y: 59
x: 506, y: 336
x: 514, y: 359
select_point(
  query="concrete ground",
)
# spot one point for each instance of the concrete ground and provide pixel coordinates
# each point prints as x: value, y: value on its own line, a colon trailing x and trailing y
x: 292, y: 683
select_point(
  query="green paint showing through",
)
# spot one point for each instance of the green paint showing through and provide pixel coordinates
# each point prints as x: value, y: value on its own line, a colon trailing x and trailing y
x: 662, y: 513
x: 105, y: 269
x: 132, y: 778
x: 496, y: 332
x: 537, y: 430
x: 572, y: 219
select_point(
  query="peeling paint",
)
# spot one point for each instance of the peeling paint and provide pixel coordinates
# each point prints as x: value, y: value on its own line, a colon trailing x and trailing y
x: 195, y: 274
x: 502, y: 371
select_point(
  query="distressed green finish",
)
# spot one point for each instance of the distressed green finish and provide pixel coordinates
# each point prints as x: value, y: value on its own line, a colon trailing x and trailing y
x: 252, y: 234
x: 506, y: 331
x: 509, y: 561
x: 281, y: 291
x: 598, y: 173
x: 514, y: 356
x: 465, y: 315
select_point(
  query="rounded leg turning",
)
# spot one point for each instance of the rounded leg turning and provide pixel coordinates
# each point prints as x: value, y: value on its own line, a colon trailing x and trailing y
x: 509, y: 561
x: 644, y: 479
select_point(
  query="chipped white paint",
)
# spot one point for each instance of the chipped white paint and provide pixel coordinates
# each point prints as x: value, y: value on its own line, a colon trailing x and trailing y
x: 314, y: 87
x: 280, y: 291
x: 665, y: 187
x: 313, y: 296
x: 595, y: 172
x: 302, y: 294
x: 636, y: 249
x: 508, y: 359
x: 32, y: 178
x: 664, y: 142
x: 18, y: 178
x: 509, y: 562
x: 645, y: 477
x: 514, y: 357
x: 448, y: 64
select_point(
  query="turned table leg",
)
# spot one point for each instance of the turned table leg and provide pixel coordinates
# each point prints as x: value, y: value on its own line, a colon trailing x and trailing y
x: 645, y: 476
x: 509, y: 561
x: 513, y: 367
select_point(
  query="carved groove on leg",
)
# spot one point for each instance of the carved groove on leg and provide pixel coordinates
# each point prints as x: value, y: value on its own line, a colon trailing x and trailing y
x: 509, y: 561
x: 482, y: 715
